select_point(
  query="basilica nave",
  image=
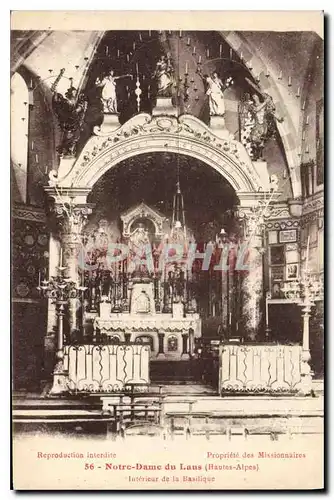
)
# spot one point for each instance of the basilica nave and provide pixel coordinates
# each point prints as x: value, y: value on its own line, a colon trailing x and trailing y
x: 167, y: 220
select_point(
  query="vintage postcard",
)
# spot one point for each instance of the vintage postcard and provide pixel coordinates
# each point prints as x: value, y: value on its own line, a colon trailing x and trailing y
x: 167, y: 187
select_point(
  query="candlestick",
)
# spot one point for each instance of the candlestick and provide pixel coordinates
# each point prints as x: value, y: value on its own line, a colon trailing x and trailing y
x: 289, y: 81
x: 220, y: 50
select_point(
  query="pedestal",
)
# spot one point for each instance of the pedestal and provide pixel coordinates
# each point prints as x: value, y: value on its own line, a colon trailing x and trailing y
x: 217, y: 125
x: 59, y: 385
x: 164, y: 106
x: 109, y: 125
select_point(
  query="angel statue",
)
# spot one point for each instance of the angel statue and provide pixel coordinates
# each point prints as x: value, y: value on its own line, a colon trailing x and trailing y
x: 108, y: 86
x: 215, y: 92
x: 163, y: 74
x: 70, y: 110
x: 257, y: 123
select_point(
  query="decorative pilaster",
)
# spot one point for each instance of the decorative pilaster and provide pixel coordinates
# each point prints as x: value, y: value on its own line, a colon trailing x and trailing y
x: 72, y: 219
x: 252, y: 283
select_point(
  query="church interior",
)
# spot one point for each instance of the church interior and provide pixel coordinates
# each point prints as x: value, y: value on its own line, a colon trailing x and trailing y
x: 167, y: 227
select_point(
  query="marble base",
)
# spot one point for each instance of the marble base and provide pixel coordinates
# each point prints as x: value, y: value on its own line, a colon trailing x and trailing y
x: 109, y: 125
x: 217, y: 125
x: 164, y: 106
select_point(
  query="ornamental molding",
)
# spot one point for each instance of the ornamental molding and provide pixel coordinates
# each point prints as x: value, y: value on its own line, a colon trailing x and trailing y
x: 32, y: 214
x: 142, y: 134
x: 142, y: 211
x: 313, y: 204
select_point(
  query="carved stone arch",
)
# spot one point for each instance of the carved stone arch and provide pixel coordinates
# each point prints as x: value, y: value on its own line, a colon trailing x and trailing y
x: 286, y: 129
x: 184, y: 135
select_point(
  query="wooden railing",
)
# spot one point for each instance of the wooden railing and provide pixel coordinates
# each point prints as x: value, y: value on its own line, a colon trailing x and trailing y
x: 106, y: 368
x: 261, y: 369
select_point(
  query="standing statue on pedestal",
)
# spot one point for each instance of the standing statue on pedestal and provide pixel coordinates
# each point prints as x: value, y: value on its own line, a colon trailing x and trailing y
x: 163, y: 75
x: 139, y: 245
x: 70, y: 110
x: 108, y: 95
x: 257, y: 123
x: 215, y: 92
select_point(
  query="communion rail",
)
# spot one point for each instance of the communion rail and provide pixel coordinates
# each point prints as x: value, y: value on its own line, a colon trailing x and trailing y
x: 262, y: 369
x: 100, y: 369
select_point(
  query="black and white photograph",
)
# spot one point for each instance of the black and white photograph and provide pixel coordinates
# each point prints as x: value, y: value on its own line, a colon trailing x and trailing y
x: 167, y: 217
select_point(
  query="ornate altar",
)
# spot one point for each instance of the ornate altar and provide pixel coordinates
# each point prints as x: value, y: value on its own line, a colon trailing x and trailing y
x: 139, y: 293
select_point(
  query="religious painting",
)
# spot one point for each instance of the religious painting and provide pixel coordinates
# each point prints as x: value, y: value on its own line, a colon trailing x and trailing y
x: 277, y: 255
x: 292, y: 272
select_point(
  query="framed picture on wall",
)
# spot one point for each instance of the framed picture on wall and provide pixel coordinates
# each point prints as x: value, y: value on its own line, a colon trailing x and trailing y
x: 288, y: 236
x: 292, y: 272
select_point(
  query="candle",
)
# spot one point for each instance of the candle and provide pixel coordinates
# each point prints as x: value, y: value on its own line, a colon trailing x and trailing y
x: 284, y: 173
x: 36, y: 156
x: 117, y: 52
x: 39, y: 278
x: 186, y: 68
x: 137, y: 68
x: 230, y: 318
x: 220, y: 50
x: 307, y: 120
x: 303, y: 135
x: 61, y: 256
x: 180, y: 34
x: 194, y: 51
x: 208, y: 53
x: 280, y: 76
x: 188, y: 41
x: 31, y: 83
x: 289, y: 81
x: 134, y: 45
x: 106, y: 50
x: 298, y: 92
x: 231, y: 53
x: 307, y: 150
x: 199, y: 59
x: 303, y: 106
x: 140, y: 38
x: 149, y: 32
x: 32, y: 145
x: 241, y: 56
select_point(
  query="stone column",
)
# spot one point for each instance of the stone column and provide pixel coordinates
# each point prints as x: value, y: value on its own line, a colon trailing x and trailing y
x: 72, y: 222
x: 252, y: 281
x: 50, y: 340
